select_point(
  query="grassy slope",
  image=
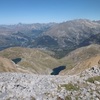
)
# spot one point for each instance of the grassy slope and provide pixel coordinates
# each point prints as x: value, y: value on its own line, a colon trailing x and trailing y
x: 6, y: 65
x: 81, y: 59
x: 40, y: 62
x: 33, y: 60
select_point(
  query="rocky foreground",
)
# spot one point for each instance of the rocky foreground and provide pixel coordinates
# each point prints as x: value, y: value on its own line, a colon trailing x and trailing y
x: 18, y: 86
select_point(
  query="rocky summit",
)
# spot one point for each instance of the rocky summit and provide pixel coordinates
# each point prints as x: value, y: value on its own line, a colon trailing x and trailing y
x: 21, y: 86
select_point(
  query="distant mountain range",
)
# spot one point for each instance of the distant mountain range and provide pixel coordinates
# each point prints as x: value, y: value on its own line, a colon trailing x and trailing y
x: 60, y: 38
x: 20, y: 34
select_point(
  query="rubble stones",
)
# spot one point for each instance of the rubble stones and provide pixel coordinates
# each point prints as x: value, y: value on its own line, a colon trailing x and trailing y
x: 21, y: 86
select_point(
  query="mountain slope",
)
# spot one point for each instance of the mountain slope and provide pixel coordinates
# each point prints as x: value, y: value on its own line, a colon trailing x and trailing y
x: 94, y: 39
x: 7, y: 66
x: 67, y: 36
x: 21, y: 34
x: 33, y: 60
x: 58, y: 37
x: 81, y: 59
x: 61, y: 38
x: 39, y: 62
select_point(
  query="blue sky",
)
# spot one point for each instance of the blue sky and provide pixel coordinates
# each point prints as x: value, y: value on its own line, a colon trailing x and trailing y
x: 44, y: 11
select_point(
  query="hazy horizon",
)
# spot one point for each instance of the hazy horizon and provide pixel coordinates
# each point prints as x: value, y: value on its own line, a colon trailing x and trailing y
x: 46, y: 11
x: 48, y: 22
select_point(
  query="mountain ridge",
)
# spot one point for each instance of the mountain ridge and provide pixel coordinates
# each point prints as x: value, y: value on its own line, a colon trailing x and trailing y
x: 59, y: 38
x: 34, y: 60
x: 39, y: 61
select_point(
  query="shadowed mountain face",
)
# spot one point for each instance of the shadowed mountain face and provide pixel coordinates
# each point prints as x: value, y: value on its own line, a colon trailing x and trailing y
x: 94, y: 39
x: 46, y: 41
